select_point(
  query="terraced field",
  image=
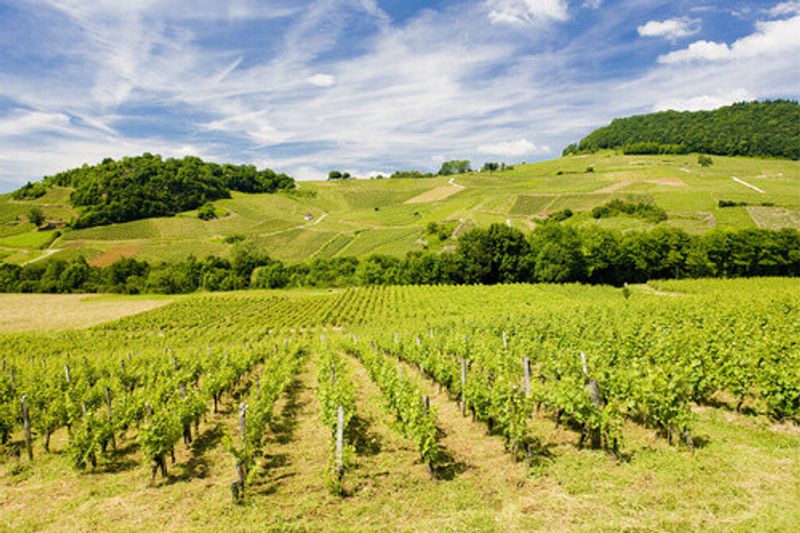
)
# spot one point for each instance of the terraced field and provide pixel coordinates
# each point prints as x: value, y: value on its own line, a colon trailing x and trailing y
x: 362, y: 217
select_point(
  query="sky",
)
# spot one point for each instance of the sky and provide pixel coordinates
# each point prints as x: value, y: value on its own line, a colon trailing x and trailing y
x: 366, y: 86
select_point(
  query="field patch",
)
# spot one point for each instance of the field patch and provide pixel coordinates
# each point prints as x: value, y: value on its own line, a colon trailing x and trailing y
x: 614, y: 187
x: 435, y: 195
x: 32, y: 240
x: 733, y: 217
x: 775, y: 217
x: 115, y: 254
x: 49, y: 312
x: 672, y: 182
x: 333, y: 246
x: 530, y: 204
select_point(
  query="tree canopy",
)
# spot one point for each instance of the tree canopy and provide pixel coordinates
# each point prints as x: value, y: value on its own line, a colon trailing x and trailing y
x: 760, y: 129
x: 450, y: 168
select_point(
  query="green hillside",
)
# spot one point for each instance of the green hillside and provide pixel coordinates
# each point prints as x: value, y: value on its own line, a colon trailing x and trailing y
x: 760, y: 129
x: 391, y: 216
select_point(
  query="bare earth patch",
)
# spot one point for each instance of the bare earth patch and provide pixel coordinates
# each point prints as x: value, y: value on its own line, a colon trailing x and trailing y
x: 434, y: 195
x: 614, y: 187
x: 30, y: 312
x: 115, y: 254
x: 674, y: 182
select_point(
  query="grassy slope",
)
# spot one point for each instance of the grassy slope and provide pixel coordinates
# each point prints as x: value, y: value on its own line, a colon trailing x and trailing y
x: 366, y: 216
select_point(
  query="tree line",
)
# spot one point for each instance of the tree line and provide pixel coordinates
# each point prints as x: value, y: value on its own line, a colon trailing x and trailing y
x: 491, y: 255
x: 454, y: 167
x: 149, y: 186
x: 760, y: 129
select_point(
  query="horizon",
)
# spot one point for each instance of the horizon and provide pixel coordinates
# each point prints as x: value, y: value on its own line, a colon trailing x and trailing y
x: 366, y: 86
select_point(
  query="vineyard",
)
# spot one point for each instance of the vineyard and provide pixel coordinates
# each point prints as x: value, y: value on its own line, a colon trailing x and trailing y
x: 669, y: 406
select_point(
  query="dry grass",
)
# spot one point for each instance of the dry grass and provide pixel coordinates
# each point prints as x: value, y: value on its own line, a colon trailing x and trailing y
x: 673, y: 182
x: 47, y: 312
x: 775, y: 217
x: 434, y: 195
x: 614, y: 187
x: 115, y: 254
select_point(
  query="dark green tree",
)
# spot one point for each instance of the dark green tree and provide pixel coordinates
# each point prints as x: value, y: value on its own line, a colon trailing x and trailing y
x: 36, y: 216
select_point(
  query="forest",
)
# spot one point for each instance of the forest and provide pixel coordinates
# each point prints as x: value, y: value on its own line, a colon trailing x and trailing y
x: 757, y: 129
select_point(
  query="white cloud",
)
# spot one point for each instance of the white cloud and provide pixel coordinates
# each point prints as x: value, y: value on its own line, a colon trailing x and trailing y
x: 513, y: 148
x: 770, y: 38
x: 698, y: 51
x: 705, y: 101
x: 22, y: 121
x: 785, y: 8
x: 309, y: 173
x: 322, y: 80
x: 671, y: 28
x: 523, y: 12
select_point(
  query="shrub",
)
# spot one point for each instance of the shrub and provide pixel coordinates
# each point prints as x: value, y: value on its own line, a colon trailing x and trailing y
x: 704, y: 161
x: 560, y: 216
x: 649, y: 212
x: 207, y: 212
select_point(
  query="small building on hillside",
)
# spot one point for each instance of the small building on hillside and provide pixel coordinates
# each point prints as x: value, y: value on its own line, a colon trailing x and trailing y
x: 309, y: 217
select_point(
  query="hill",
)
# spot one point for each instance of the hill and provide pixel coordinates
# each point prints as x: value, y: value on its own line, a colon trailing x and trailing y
x: 760, y: 129
x: 147, y: 186
x: 394, y: 216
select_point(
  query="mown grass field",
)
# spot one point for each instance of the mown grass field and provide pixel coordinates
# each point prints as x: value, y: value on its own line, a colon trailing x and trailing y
x: 741, y: 475
x: 362, y: 217
x: 48, y: 312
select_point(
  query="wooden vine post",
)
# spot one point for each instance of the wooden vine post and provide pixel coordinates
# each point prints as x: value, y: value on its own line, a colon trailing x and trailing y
x: 237, y: 487
x: 187, y: 424
x: 526, y: 366
x: 592, y: 387
x: 26, y: 426
x: 463, y: 387
x: 107, y: 393
x: 340, y: 443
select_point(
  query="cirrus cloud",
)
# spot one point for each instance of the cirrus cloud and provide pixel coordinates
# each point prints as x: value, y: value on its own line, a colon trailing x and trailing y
x: 522, y: 12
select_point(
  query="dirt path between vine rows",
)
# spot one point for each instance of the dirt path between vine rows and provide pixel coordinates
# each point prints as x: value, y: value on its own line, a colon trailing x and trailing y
x: 492, y: 470
x: 296, y: 456
x: 383, y: 454
x: 485, y: 456
x: 485, y: 464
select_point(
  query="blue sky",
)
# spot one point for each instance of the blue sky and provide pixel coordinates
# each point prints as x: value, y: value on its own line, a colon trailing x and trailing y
x: 366, y: 86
